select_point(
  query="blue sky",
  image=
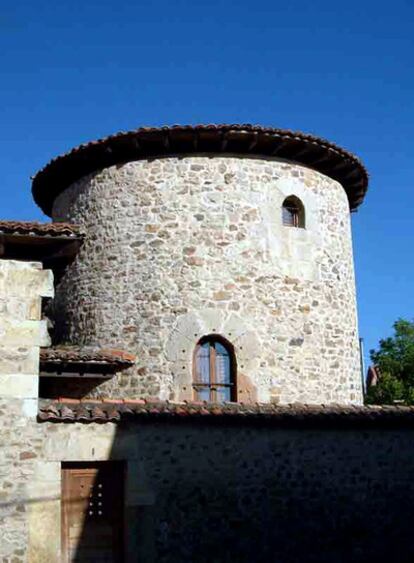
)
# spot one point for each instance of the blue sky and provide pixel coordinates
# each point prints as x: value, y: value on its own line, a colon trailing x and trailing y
x: 74, y: 71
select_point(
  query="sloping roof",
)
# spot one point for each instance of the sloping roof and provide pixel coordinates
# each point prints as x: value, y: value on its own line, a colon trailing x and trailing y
x: 294, y: 415
x: 53, y: 244
x: 70, y: 355
x: 35, y: 229
x: 315, y: 152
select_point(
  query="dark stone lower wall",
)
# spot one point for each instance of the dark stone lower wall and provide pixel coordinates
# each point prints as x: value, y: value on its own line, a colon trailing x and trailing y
x: 239, y: 494
x: 208, y: 492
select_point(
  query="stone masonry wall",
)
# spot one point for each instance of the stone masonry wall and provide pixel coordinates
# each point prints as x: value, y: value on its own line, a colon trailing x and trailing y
x: 181, y: 247
x: 206, y: 492
x: 21, y: 334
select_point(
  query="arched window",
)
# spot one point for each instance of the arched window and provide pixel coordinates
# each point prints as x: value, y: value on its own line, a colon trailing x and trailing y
x: 214, y: 370
x: 293, y: 212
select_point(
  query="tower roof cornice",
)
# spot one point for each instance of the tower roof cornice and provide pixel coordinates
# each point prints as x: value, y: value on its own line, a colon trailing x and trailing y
x: 248, y: 140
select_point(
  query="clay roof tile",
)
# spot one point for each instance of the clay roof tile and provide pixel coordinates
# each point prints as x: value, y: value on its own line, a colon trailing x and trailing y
x: 33, y: 228
x: 315, y: 152
x: 69, y: 355
x: 297, y: 415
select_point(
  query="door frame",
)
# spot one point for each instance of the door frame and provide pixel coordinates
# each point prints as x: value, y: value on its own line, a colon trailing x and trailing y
x: 66, y: 466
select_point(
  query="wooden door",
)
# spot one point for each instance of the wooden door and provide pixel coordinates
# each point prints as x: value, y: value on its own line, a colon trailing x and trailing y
x: 92, y: 512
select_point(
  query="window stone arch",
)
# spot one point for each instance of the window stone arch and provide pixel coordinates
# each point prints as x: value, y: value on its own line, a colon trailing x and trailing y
x: 186, y: 333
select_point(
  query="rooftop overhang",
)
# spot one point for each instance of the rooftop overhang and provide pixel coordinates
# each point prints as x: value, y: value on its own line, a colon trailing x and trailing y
x: 297, y: 416
x: 83, y: 361
x: 250, y: 140
x: 53, y: 244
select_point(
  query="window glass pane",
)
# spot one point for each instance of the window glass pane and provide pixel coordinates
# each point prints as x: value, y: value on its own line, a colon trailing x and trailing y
x: 203, y: 393
x: 288, y: 214
x: 202, y: 372
x: 223, y: 394
x: 222, y: 364
x: 293, y: 212
x: 217, y: 378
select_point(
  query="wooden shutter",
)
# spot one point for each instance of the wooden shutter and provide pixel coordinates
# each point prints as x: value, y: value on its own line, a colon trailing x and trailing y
x: 92, y: 512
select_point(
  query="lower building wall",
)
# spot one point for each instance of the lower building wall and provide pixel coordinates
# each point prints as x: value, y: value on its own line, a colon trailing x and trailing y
x: 208, y: 492
x: 22, y: 285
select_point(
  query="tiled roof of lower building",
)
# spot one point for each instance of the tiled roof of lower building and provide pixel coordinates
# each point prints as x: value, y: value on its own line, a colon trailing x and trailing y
x: 33, y: 228
x: 294, y: 415
x: 59, y: 355
x: 53, y: 244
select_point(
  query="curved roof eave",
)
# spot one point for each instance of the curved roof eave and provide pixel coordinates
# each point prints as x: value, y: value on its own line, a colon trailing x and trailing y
x: 253, y: 140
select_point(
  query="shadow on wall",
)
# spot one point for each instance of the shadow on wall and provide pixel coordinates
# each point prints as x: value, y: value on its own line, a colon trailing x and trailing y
x: 208, y: 492
x: 51, y: 388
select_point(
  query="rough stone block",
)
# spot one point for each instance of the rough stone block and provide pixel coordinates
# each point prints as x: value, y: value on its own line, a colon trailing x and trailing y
x: 29, y: 281
x: 44, y: 532
x: 212, y: 320
x: 234, y: 327
x: 78, y: 445
x: 190, y: 326
x: 24, y: 333
x: 46, y: 471
x: 19, y: 359
x: 19, y: 386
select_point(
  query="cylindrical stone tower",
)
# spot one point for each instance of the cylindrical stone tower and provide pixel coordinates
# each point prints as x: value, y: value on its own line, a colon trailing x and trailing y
x: 190, y: 232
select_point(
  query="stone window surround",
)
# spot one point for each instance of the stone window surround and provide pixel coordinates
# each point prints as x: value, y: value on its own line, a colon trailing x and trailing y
x: 191, y: 327
x: 287, y: 187
x: 300, y: 245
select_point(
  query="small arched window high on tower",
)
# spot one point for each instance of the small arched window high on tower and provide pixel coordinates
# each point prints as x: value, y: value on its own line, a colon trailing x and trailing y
x: 293, y: 212
x: 214, y: 370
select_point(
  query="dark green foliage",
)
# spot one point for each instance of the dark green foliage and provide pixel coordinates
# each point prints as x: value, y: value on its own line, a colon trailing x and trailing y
x: 395, y: 360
